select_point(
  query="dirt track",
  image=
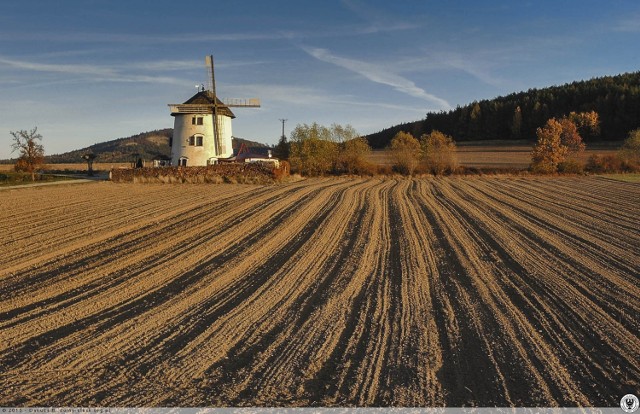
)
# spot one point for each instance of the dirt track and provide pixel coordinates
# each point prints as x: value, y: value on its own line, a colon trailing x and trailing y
x: 425, y: 292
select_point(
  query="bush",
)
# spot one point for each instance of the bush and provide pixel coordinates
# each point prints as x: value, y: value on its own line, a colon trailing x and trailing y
x: 438, y: 153
x: 626, y: 160
x: 243, y: 173
x: 317, y: 150
x: 571, y: 167
x: 604, y: 164
x: 21, y: 165
x: 630, y: 151
x: 405, y: 150
x: 382, y: 170
x: 352, y: 158
x: 311, y: 150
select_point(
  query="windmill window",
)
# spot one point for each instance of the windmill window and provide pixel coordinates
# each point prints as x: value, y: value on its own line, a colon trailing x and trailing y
x: 198, y: 140
x: 192, y: 140
x: 197, y: 120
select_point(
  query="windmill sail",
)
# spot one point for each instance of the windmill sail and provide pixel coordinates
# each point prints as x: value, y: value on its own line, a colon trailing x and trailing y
x: 208, y: 60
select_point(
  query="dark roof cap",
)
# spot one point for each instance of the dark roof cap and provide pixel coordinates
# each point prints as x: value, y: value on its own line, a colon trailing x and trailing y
x: 206, y: 98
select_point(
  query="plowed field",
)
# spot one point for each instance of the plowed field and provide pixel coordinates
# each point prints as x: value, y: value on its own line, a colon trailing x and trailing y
x: 424, y: 292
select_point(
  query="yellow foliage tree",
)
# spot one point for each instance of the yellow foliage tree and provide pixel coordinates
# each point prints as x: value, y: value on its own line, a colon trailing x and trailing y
x: 405, y: 150
x: 630, y: 151
x: 352, y: 158
x: 587, y: 123
x: 316, y: 150
x: 549, y: 151
x: 312, y: 150
x: 560, y: 140
x: 438, y: 153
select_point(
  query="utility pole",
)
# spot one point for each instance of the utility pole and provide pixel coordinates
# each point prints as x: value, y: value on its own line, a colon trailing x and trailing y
x: 283, y: 121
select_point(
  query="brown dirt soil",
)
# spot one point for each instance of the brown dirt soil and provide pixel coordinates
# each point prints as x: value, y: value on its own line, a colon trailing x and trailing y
x: 476, y: 291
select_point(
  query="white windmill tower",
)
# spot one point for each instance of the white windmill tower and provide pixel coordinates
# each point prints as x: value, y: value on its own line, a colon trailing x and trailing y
x: 202, y: 125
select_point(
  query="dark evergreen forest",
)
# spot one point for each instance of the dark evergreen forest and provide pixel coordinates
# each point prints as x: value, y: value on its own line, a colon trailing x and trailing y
x: 616, y: 99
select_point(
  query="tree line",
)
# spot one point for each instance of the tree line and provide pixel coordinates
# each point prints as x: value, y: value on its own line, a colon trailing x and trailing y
x: 517, y: 116
x: 315, y: 150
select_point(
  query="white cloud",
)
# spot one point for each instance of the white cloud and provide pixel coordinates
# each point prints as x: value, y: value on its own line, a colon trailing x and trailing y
x: 479, y: 65
x: 305, y: 96
x: 378, y: 74
x: 377, y: 20
x: 630, y: 25
x: 94, y: 72
x: 69, y: 68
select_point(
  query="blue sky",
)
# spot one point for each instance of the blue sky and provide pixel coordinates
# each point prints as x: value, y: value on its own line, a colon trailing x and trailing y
x: 94, y: 70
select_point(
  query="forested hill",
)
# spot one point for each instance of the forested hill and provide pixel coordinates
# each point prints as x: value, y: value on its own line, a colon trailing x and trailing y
x: 148, y: 145
x: 616, y: 99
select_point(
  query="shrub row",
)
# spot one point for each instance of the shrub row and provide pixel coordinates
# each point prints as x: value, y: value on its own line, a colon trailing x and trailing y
x: 247, y: 173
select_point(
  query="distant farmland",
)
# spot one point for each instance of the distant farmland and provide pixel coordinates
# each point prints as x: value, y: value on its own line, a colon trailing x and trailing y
x: 476, y: 154
x: 409, y: 292
x: 499, y: 154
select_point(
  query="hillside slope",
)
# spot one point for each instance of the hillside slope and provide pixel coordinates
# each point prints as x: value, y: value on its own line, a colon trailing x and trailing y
x: 147, y: 145
x: 616, y: 99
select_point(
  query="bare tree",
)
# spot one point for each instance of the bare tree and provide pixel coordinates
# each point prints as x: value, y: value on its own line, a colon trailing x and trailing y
x: 31, y: 152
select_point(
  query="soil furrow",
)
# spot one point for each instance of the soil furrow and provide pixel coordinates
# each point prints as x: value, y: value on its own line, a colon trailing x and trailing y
x: 474, y: 291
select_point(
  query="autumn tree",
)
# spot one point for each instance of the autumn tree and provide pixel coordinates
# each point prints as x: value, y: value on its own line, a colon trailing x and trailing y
x: 587, y: 124
x: 312, y: 150
x: 352, y: 158
x: 475, y: 122
x: 31, y: 152
x: 516, y: 123
x: 630, y: 151
x: 548, y: 152
x: 316, y: 150
x: 405, y: 150
x: 438, y: 153
x: 570, y: 138
x: 560, y: 141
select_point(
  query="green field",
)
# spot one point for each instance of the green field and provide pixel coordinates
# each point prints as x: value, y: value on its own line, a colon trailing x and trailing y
x: 626, y: 177
x: 12, y: 178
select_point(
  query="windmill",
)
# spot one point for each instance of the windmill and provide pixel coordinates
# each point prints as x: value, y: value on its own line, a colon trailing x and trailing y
x: 229, y: 103
x: 202, y: 127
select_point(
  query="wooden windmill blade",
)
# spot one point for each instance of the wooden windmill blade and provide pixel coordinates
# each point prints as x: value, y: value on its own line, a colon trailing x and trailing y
x: 208, y: 60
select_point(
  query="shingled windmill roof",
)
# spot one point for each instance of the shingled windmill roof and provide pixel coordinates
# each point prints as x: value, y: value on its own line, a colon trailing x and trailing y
x: 206, y: 98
